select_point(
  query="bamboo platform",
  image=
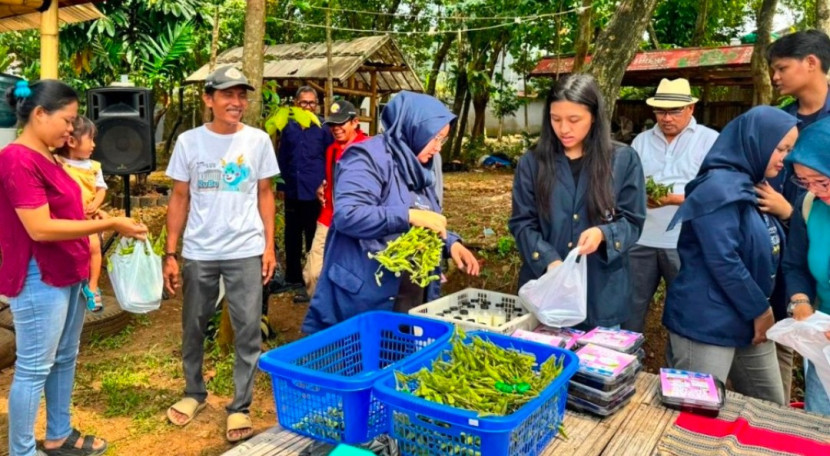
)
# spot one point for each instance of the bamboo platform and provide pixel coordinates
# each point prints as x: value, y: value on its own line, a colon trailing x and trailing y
x: 634, y: 430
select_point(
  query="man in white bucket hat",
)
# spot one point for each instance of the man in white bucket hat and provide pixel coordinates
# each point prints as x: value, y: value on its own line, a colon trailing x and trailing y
x: 671, y: 152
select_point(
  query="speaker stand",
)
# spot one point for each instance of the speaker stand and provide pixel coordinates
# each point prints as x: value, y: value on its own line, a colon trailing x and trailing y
x: 127, y: 198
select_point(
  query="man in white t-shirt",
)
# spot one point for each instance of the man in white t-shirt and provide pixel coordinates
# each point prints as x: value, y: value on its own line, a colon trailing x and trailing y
x: 223, y: 171
x: 672, y: 152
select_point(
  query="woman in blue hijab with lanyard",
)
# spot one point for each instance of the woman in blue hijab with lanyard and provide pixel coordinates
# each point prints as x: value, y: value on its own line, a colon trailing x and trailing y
x: 807, y: 257
x: 383, y: 186
x: 717, y: 310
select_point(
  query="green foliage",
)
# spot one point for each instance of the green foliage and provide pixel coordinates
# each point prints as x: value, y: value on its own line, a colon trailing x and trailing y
x: 280, y: 118
x: 222, y: 365
x: 506, y: 246
x: 674, y: 21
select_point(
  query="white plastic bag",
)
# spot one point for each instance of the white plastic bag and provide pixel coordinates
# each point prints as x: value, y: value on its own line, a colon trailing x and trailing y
x: 136, y: 276
x: 807, y: 337
x: 560, y: 297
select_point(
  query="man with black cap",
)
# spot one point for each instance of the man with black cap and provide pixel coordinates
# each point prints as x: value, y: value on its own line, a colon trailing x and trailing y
x: 345, y: 127
x: 221, y: 175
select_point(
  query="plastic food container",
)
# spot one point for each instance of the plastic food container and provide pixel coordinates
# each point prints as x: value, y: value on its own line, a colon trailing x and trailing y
x: 569, y: 335
x: 480, y: 310
x: 615, y: 339
x: 598, y: 397
x: 693, y: 392
x: 605, y: 369
x: 581, y: 405
x: 547, y: 339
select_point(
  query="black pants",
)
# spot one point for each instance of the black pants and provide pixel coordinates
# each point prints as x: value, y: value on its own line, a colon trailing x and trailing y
x: 300, y: 223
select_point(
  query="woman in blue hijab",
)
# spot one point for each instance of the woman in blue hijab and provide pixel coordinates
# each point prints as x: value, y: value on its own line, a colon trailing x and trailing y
x: 807, y: 257
x: 717, y: 309
x: 383, y: 186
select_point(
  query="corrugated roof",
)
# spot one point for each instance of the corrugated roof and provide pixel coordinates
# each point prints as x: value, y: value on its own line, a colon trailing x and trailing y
x: 307, y: 61
x: 66, y: 15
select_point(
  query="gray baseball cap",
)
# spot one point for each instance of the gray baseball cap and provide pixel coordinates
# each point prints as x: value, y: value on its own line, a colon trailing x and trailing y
x: 225, y: 78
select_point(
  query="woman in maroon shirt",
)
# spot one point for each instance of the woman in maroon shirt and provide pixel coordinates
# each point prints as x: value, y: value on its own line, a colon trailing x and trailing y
x: 45, y: 259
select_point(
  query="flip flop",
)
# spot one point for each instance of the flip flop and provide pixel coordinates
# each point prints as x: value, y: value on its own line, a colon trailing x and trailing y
x: 68, y: 448
x: 189, y: 407
x: 238, y: 422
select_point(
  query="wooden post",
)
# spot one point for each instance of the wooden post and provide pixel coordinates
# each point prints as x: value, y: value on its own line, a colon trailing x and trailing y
x: 49, y: 44
x: 329, y: 69
x: 707, y: 113
x: 373, y: 104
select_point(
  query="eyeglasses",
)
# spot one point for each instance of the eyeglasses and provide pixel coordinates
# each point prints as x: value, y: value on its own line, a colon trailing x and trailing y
x: 440, y: 141
x: 822, y: 185
x: 307, y: 104
x: 666, y: 113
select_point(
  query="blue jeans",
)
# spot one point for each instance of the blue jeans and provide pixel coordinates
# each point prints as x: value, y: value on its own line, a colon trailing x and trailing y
x: 815, y: 396
x: 47, y: 322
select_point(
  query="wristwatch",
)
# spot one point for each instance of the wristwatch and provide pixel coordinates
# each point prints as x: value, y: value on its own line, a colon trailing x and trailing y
x: 791, y: 306
x: 172, y: 254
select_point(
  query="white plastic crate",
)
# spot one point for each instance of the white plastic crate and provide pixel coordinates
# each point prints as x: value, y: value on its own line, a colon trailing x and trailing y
x: 527, y: 321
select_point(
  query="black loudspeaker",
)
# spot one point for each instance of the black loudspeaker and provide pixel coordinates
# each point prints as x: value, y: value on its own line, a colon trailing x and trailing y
x: 124, y: 117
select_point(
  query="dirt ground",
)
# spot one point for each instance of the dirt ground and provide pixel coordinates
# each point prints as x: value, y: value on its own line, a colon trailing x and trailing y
x: 124, y: 384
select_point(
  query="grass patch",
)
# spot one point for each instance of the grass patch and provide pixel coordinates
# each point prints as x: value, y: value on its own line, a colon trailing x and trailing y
x: 134, y: 386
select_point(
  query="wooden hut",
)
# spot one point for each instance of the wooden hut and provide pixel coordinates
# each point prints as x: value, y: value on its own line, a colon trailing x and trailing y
x: 372, y: 67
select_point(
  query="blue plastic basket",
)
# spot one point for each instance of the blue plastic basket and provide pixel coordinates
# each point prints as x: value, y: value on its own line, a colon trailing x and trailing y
x: 323, y: 382
x: 423, y: 427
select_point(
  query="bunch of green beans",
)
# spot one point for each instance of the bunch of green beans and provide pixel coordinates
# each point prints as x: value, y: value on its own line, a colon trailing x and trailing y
x: 417, y: 252
x: 482, y: 377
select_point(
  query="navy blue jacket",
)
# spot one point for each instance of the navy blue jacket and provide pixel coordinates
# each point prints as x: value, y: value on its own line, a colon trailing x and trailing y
x: 541, y: 242
x: 371, y: 207
x: 727, y: 276
x: 302, y: 159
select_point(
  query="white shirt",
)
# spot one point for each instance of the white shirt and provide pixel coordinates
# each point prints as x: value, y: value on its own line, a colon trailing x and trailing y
x: 223, y: 222
x: 673, y: 164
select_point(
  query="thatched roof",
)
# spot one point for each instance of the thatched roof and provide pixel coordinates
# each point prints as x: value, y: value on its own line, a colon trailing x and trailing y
x: 26, y: 14
x: 297, y: 63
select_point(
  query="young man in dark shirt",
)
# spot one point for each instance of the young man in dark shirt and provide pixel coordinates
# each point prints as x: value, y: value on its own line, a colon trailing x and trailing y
x: 799, y: 63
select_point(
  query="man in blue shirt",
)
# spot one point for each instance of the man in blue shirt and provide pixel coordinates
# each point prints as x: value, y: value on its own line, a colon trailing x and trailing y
x: 302, y: 159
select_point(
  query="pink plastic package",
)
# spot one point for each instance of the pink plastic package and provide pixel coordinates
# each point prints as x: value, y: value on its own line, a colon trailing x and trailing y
x: 603, y: 362
x: 547, y: 339
x: 685, y: 387
x: 615, y: 339
x: 569, y: 335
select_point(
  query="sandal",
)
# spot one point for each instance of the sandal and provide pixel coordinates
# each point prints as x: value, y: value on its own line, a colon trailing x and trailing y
x: 68, y: 448
x: 238, y: 422
x: 189, y: 407
x: 93, y: 299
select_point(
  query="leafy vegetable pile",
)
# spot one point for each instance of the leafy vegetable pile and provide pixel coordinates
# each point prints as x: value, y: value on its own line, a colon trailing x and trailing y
x: 656, y: 191
x: 417, y: 252
x: 159, y: 244
x: 482, y: 377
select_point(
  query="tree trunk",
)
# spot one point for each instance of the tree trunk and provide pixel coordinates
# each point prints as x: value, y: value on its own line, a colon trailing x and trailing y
x: 616, y: 46
x: 461, y: 88
x: 214, y: 47
x: 652, y: 35
x: 823, y: 15
x: 482, y: 98
x: 699, y: 35
x: 253, y: 57
x: 462, y: 127
x: 329, y: 69
x: 443, y: 51
x: 760, y: 67
x: 586, y: 34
